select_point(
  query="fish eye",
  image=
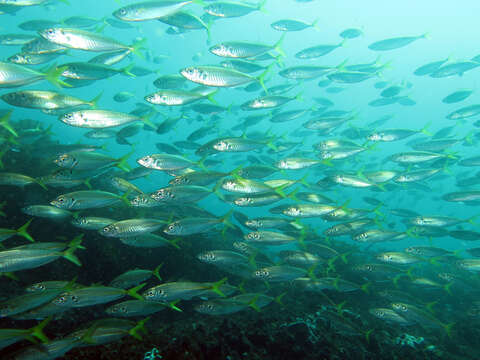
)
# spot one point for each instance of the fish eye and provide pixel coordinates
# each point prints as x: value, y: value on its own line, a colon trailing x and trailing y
x: 61, y: 199
x: 150, y: 293
x: 122, y: 11
x: 50, y: 31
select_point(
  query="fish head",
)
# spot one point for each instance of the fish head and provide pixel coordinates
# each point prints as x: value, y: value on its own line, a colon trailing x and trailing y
x: 193, y: 73
x: 363, y: 268
x: 109, y: 230
x: 76, y: 118
x: 222, y: 145
x: 253, y: 223
x: 386, y: 257
x: 55, y: 35
x: 162, y: 194
x: 230, y: 185
x: 293, y: 211
x: 5, y: 310
x: 261, y: 274
x: 205, y: 308
x: 400, y: 307
x: 282, y: 164
x: 331, y: 231
x: 374, y: 137
x: 325, y: 155
x: 127, y: 13
x: 79, y: 221
x: 66, y: 299
x: 207, y: 256
x: 222, y: 50
x: 65, y: 161
x: 172, y: 228
x: 179, y: 180
x: 253, y: 236
x: 38, y: 287
x: 146, y: 161
x: 413, y: 250
x: 377, y: 312
x: 158, y: 98
x: 20, y: 59
x: 361, y: 237
x: 446, y: 276
x: 63, y: 202
x: 154, y: 294
x: 140, y: 200
x: 241, y: 246
x: 117, y: 309
x: 11, y: 98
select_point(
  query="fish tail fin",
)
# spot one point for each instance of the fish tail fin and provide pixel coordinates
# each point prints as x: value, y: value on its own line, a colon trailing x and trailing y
x: 174, y: 243
x: 341, y: 66
x: 344, y: 257
x: 133, y: 292
x: 251, y: 260
x: 339, y: 307
x: 314, y: 24
x: 278, y: 46
x: 216, y: 190
x: 365, y: 287
x: 137, y: 46
x: 146, y: 119
x: 216, y: 287
x: 448, y: 328
x: 343, y: 43
x: 241, y: 287
x: 140, y: 326
x: 424, y: 129
x: 425, y: 35
x: 122, y: 162
x: 126, y: 70
x: 87, y: 183
x: 37, y: 330
x: 226, y: 219
x: 311, y: 272
x: 303, y: 180
x: 94, y: 102
x: 156, y: 272
x: 199, y: 2
x: 201, y: 163
x: 367, y: 335
x: 4, y: 122
x: 74, y: 245
x: 210, y: 97
x: 261, y: 78
x: 253, y: 304
x: 278, y: 299
x: 293, y: 195
x: 330, y: 265
x: 447, y: 288
x: 279, y: 190
x: 327, y: 162
x: 173, y: 305
x: 40, y: 182
x: 261, y: 6
x: 10, y: 275
x: 22, y: 231
x: 52, y: 75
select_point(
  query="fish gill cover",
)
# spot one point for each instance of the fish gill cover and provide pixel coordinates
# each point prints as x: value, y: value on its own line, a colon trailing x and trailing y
x: 271, y: 179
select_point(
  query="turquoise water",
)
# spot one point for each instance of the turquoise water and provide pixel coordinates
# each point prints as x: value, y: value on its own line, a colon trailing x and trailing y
x: 313, y: 294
